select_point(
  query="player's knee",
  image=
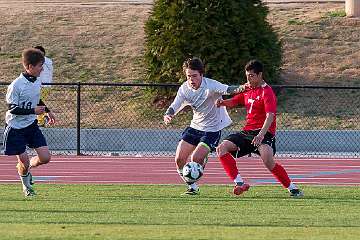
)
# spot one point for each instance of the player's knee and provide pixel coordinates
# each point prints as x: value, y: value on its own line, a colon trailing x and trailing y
x: 221, y: 149
x: 45, y: 159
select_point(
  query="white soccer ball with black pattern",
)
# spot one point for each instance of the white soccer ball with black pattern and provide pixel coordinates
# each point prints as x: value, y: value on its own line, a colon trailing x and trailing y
x: 192, y: 172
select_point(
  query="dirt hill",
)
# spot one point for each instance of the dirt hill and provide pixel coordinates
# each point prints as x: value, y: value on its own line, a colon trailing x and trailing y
x: 103, y: 41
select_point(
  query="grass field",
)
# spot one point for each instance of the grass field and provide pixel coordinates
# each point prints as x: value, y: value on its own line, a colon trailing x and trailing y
x: 159, y: 212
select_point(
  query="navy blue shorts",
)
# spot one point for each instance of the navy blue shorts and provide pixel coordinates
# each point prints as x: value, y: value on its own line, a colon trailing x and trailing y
x: 243, y: 141
x: 16, y: 140
x: 194, y: 137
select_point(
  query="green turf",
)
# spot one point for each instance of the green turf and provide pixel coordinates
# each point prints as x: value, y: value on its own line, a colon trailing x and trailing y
x: 159, y: 212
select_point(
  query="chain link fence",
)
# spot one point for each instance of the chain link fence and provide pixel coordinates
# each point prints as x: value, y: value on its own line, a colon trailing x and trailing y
x: 122, y: 119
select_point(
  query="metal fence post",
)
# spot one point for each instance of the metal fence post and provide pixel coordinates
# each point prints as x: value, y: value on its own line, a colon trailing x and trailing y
x: 352, y: 8
x: 78, y: 118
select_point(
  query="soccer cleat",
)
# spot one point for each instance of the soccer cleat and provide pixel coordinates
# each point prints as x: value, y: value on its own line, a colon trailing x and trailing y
x: 240, y: 188
x: 296, y: 193
x: 191, y: 191
x: 29, y: 192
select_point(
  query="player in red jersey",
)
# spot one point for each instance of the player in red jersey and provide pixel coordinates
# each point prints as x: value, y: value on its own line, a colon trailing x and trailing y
x: 258, y: 134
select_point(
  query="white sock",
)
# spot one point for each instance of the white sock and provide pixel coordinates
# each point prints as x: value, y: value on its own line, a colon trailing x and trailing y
x: 238, y: 179
x: 292, y: 186
x: 193, y: 186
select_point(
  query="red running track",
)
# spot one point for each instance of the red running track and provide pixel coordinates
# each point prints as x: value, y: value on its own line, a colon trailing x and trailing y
x: 161, y: 170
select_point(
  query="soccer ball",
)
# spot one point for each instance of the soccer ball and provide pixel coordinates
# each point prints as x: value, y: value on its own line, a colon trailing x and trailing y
x: 192, y: 172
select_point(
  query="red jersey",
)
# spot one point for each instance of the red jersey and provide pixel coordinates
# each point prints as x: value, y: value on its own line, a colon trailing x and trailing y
x: 257, y: 101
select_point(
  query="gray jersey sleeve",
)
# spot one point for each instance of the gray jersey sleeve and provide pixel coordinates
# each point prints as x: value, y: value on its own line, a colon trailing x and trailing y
x: 235, y: 89
x: 12, y: 95
x: 218, y: 87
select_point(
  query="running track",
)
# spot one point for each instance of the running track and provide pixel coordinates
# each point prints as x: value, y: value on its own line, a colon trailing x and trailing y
x: 160, y: 170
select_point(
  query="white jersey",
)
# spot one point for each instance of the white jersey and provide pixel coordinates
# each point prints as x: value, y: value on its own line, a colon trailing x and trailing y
x: 24, y: 94
x: 206, y: 116
x: 46, y: 75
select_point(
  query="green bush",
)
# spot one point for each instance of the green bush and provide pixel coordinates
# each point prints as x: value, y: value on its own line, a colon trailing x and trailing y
x: 225, y: 34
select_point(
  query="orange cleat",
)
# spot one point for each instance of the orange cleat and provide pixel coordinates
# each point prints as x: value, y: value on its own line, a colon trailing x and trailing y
x: 240, y: 188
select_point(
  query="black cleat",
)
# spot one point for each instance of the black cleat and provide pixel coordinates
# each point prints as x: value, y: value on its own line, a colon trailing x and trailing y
x: 296, y: 193
x: 191, y: 191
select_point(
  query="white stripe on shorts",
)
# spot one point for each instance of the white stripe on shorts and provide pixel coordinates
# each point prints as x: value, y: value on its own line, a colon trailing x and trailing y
x: 6, y: 133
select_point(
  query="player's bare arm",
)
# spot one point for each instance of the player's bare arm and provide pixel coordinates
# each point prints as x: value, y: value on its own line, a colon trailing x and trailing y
x: 236, y: 89
x: 51, y: 116
x: 169, y: 115
x: 226, y: 103
x: 49, y: 113
x: 267, y: 123
x: 39, y: 110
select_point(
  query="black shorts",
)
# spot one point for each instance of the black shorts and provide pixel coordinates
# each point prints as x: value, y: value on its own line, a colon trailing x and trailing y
x: 16, y: 140
x: 194, y: 137
x: 243, y: 141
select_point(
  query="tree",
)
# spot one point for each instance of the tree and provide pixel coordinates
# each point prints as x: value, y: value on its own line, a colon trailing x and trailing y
x: 225, y: 34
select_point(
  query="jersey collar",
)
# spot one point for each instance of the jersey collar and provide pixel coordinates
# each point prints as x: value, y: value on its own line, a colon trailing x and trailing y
x: 29, y: 77
x: 261, y: 86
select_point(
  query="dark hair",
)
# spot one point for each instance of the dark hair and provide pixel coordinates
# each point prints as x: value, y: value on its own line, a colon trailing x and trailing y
x: 255, y: 65
x: 194, y: 63
x: 41, y: 48
x: 32, y: 56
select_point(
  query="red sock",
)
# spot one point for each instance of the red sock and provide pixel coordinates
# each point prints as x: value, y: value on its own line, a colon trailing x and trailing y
x: 281, y: 175
x: 229, y: 164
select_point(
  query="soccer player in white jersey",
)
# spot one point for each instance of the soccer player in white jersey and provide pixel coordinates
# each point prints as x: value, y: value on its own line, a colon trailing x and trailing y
x: 203, y: 134
x: 46, y: 76
x: 21, y: 130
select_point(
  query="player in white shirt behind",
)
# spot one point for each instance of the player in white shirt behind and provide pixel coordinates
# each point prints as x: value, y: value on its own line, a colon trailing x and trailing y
x: 21, y: 129
x: 203, y: 134
x: 46, y: 76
